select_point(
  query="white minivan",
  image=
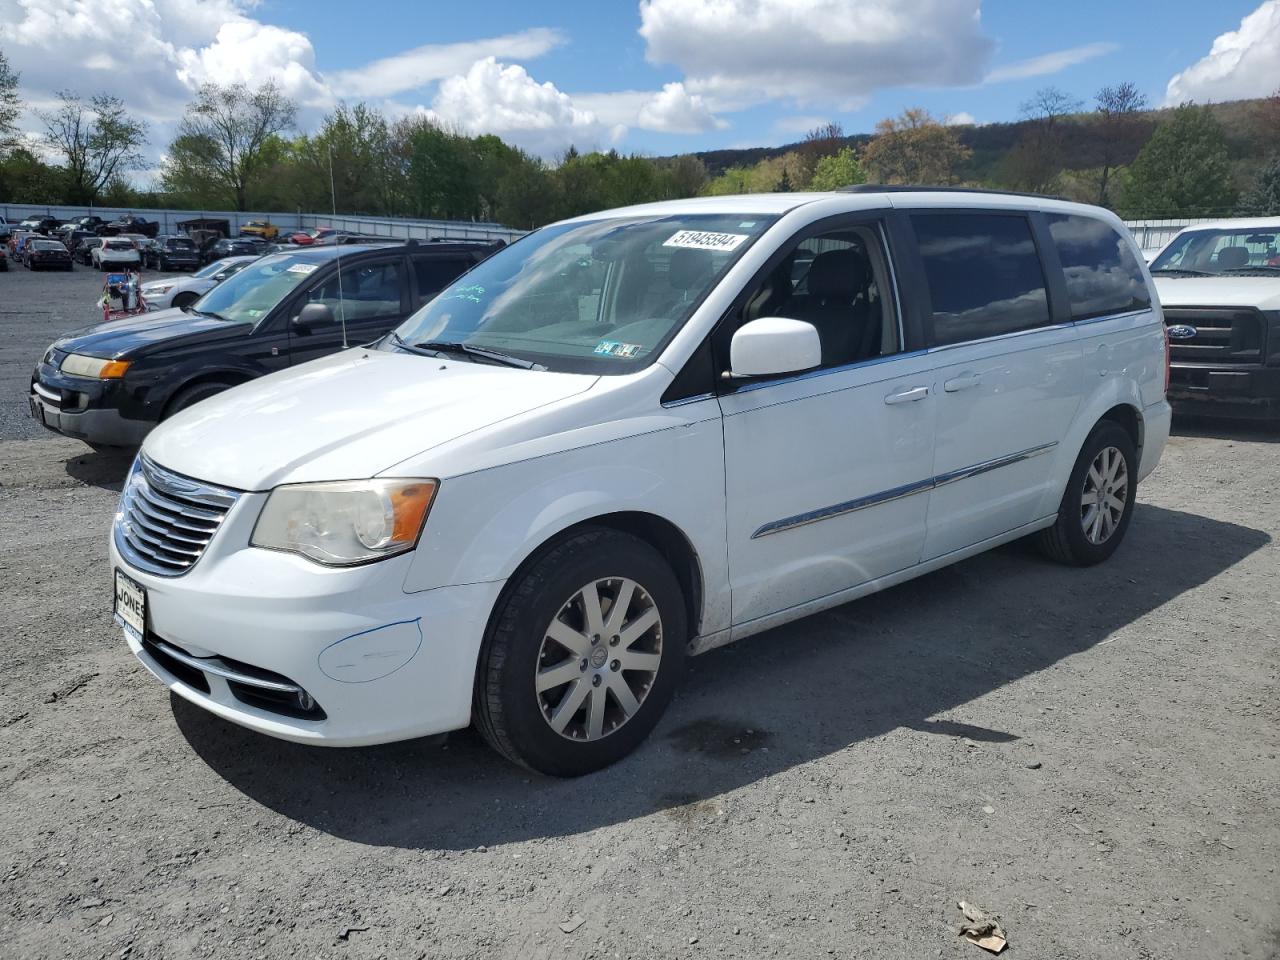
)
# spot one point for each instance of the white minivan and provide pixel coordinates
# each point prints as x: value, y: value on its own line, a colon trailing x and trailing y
x: 637, y: 435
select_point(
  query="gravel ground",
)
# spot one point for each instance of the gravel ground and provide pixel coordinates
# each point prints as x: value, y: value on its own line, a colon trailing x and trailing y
x: 1091, y: 754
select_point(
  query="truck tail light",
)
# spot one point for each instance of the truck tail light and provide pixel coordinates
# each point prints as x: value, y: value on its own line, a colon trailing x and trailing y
x: 1165, y: 330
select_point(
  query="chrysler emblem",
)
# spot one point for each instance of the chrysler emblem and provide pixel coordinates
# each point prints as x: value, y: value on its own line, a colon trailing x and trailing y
x: 1182, y: 331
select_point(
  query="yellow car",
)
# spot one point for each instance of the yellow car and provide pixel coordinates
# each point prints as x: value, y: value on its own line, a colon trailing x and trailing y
x: 260, y: 228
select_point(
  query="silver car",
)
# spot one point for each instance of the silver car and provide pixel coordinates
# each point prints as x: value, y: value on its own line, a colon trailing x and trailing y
x: 184, y: 291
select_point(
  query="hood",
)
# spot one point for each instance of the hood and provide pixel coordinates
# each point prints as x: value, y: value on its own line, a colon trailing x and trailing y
x: 345, y: 417
x: 120, y: 338
x: 1260, y: 292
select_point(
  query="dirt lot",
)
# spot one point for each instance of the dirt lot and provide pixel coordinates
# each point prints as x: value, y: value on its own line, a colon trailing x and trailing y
x: 1092, y: 754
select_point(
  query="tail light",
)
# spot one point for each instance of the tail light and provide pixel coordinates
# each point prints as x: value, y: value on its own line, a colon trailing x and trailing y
x: 1165, y: 330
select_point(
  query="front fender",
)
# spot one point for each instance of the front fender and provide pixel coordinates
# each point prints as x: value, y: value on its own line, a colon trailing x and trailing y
x: 483, y: 525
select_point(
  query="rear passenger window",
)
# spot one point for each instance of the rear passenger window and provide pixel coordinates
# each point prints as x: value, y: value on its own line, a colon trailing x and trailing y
x: 1103, y: 276
x: 436, y: 274
x: 984, y: 275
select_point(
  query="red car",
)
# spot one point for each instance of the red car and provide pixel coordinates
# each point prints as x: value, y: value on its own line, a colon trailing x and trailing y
x: 305, y: 238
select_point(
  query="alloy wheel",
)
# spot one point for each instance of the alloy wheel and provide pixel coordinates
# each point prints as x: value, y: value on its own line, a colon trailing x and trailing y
x: 599, y: 658
x: 1105, y: 496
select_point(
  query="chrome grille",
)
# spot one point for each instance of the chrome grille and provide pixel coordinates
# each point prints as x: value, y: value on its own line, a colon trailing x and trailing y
x: 165, y: 520
x: 1220, y: 335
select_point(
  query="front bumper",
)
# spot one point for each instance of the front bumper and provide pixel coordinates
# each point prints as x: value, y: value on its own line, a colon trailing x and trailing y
x: 106, y: 427
x: 380, y: 664
x: 1223, y: 390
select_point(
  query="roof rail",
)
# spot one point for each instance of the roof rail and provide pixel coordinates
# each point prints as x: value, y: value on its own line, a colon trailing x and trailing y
x: 922, y: 188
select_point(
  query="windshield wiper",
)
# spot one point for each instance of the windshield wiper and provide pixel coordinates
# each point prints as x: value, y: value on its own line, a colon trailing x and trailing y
x: 1262, y: 267
x: 1185, y: 272
x: 210, y: 313
x: 445, y: 346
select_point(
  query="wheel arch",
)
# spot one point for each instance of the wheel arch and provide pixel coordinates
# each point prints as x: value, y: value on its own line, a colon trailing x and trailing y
x: 231, y: 377
x: 659, y: 532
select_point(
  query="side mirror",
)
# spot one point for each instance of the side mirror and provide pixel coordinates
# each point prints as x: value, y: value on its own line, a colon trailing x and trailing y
x: 313, y: 315
x: 774, y: 345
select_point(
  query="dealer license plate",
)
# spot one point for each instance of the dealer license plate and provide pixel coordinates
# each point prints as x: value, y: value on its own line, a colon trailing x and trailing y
x: 131, y: 605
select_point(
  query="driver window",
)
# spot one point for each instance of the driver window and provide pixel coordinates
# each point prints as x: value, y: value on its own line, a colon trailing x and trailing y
x: 366, y: 291
x: 838, y: 282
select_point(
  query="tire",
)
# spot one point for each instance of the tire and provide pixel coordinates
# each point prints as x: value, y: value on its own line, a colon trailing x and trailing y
x: 184, y: 300
x: 516, y: 718
x: 1085, y: 534
x: 190, y: 396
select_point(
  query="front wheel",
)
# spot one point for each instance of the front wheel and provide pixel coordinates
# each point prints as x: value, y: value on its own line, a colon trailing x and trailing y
x: 583, y: 655
x: 1098, y: 503
x: 184, y: 300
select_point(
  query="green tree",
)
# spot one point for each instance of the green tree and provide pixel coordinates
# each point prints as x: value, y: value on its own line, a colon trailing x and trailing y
x: 838, y: 170
x: 914, y: 148
x: 1183, y: 170
x: 97, y: 142
x: 10, y: 106
x: 228, y: 141
x: 1263, y: 199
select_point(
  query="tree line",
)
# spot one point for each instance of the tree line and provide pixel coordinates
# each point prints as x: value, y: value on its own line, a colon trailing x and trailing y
x: 238, y: 148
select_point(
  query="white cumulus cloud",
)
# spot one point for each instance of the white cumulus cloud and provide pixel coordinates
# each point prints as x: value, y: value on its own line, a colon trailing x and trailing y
x: 1241, y: 63
x: 249, y: 52
x: 735, y: 52
x: 675, y: 110
x: 503, y: 99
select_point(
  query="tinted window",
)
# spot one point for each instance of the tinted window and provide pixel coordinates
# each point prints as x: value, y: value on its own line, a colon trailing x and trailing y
x: 363, y: 291
x: 1102, y: 273
x: 984, y: 275
x: 436, y: 274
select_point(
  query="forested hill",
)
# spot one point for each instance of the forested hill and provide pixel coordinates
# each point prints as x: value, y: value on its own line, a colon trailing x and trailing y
x: 1247, y: 126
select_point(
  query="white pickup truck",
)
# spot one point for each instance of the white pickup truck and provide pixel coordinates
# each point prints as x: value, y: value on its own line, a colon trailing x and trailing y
x: 1219, y: 284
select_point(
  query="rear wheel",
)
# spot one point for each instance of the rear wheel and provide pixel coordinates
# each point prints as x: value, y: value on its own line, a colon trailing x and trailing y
x: 583, y: 655
x: 1098, y: 503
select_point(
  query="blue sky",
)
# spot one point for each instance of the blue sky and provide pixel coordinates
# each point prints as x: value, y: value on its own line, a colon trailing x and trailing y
x: 653, y: 76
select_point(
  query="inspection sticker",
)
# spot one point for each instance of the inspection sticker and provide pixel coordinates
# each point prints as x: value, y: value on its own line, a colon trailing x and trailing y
x: 701, y: 240
x: 303, y: 267
x: 613, y: 348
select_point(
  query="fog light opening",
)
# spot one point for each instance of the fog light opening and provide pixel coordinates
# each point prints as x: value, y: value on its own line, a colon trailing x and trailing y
x: 306, y: 702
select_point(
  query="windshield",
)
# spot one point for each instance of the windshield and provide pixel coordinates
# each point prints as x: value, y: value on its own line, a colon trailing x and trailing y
x: 1221, y: 251
x: 214, y: 268
x: 602, y: 296
x: 253, y: 292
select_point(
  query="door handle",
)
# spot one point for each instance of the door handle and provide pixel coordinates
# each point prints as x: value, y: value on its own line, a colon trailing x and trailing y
x: 963, y: 382
x: 907, y: 396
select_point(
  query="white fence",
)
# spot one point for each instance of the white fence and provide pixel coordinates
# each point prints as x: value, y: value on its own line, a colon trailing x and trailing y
x: 287, y: 222
x: 1154, y: 234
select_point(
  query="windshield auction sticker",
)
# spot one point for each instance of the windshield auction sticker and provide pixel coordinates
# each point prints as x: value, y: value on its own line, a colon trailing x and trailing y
x: 303, y: 268
x: 701, y: 240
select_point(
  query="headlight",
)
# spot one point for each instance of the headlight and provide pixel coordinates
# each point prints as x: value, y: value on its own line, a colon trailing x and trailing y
x: 95, y: 368
x: 347, y: 522
x: 163, y: 288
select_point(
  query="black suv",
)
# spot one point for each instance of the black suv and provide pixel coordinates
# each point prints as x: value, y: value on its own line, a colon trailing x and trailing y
x: 110, y: 383
x: 172, y: 253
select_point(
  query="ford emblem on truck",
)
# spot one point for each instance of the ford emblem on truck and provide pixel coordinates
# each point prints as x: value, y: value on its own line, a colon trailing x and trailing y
x: 1182, y: 331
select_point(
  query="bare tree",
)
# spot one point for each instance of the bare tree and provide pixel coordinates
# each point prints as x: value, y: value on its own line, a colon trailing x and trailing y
x: 1037, y: 158
x: 1048, y: 105
x: 226, y: 134
x: 1118, y: 109
x: 820, y: 142
x: 10, y: 105
x: 98, y: 141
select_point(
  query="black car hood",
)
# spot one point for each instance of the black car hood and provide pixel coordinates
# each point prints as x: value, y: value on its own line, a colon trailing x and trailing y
x: 118, y: 338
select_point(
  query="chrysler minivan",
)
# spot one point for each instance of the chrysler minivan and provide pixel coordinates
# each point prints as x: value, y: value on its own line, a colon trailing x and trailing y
x: 635, y: 436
